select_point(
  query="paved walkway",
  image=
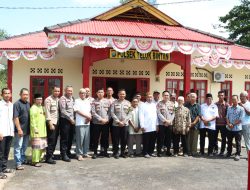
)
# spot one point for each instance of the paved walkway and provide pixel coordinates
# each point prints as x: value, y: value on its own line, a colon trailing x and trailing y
x: 135, y: 173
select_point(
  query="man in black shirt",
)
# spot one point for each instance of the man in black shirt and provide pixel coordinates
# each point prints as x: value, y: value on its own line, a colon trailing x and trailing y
x: 22, y: 128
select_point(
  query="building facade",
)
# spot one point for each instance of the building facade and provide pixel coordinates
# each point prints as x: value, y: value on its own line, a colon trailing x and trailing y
x: 149, y: 53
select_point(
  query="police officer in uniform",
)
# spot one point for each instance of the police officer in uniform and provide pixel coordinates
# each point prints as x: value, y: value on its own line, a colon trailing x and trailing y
x: 67, y: 123
x: 121, y: 113
x: 165, y: 112
x: 52, y: 117
x: 100, y: 110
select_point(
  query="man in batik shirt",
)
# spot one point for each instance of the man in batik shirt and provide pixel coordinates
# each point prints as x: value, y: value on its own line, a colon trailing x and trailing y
x: 182, y: 123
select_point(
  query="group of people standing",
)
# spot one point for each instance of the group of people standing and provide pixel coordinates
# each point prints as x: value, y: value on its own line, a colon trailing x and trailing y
x: 164, y: 122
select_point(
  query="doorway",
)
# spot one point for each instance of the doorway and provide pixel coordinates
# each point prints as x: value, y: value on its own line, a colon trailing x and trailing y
x: 128, y: 84
x: 131, y: 85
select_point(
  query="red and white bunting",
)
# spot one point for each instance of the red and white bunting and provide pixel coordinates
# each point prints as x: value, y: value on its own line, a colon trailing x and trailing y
x: 98, y: 42
x: 186, y: 47
x: 54, y: 40
x: 223, y: 51
x: 28, y: 54
x: 226, y: 63
x: 121, y: 44
x: 214, y: 63
x: 12, y: 55
x: 71, y: 41
x: 247, y: 64
x: 165, y: 46
x: 204, y: 49
x: 142, y: 45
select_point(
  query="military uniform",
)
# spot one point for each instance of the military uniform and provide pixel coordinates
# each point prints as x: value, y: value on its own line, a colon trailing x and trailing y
x: 66, y: 128
x: 165, y: 111
x: 52, y: 115
x: 100, y: 109
x: 120, y: 112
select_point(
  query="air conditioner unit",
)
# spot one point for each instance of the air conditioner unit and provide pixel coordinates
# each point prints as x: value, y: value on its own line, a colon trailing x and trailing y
x: 218, y: 76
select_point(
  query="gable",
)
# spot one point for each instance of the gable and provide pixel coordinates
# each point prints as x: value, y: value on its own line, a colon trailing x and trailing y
x: 138, y: 10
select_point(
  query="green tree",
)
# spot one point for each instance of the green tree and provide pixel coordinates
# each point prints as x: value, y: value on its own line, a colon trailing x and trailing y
x: 237, y: 23
x: 3, y: 34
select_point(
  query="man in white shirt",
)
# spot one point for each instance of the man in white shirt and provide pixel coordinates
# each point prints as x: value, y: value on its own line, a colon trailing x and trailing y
x: 82, y: 108
x: 6, y: 131
x: 148, y: 121
x: 139, y: 97
x: 135, y: 133
x: 209, y: 113
x: 246, y: 119
x: 91, y: 99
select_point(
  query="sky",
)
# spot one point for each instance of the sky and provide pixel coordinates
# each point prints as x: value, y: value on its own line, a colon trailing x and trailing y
x: 200, y: 15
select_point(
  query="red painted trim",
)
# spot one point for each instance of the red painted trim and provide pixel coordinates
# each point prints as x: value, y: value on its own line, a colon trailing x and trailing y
x: 230, y: 92
x: 46, y: 93
x: 248, y: 90
x: 94, y: 80
x: 91, y: 55
x: 9, y: 74
x: 160, y: 65
x: 177, y: 58
x: 187, y: 74
x: 86, y: 62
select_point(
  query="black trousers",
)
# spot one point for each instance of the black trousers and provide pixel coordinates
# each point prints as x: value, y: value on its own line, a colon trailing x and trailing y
x: 164, y: 134
x: 66, y: 134
x: 102, y: 130
x: 4, y: 152
x: 148, y: 140
x: 237, y: 136
x: 52, y: 136
x: 223, y: 132
x: 110, y: 124
x: 119, y: 135
x: 211, y: 136
x: 91, y: 136
x: 176, y: 142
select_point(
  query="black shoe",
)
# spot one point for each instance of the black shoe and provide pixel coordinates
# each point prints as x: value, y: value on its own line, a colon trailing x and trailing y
x: 168, y: 154
x: 66, y: 158
x: 69, y: 155
x: 94, y: 156
x: 221, y: 154
x: 107, y: 155
x: 101, y: 155
x: 159, y: 155
x: 116, y: 156
x: 123, y: 155
x: 51, y: 161
x: 228, y: 155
